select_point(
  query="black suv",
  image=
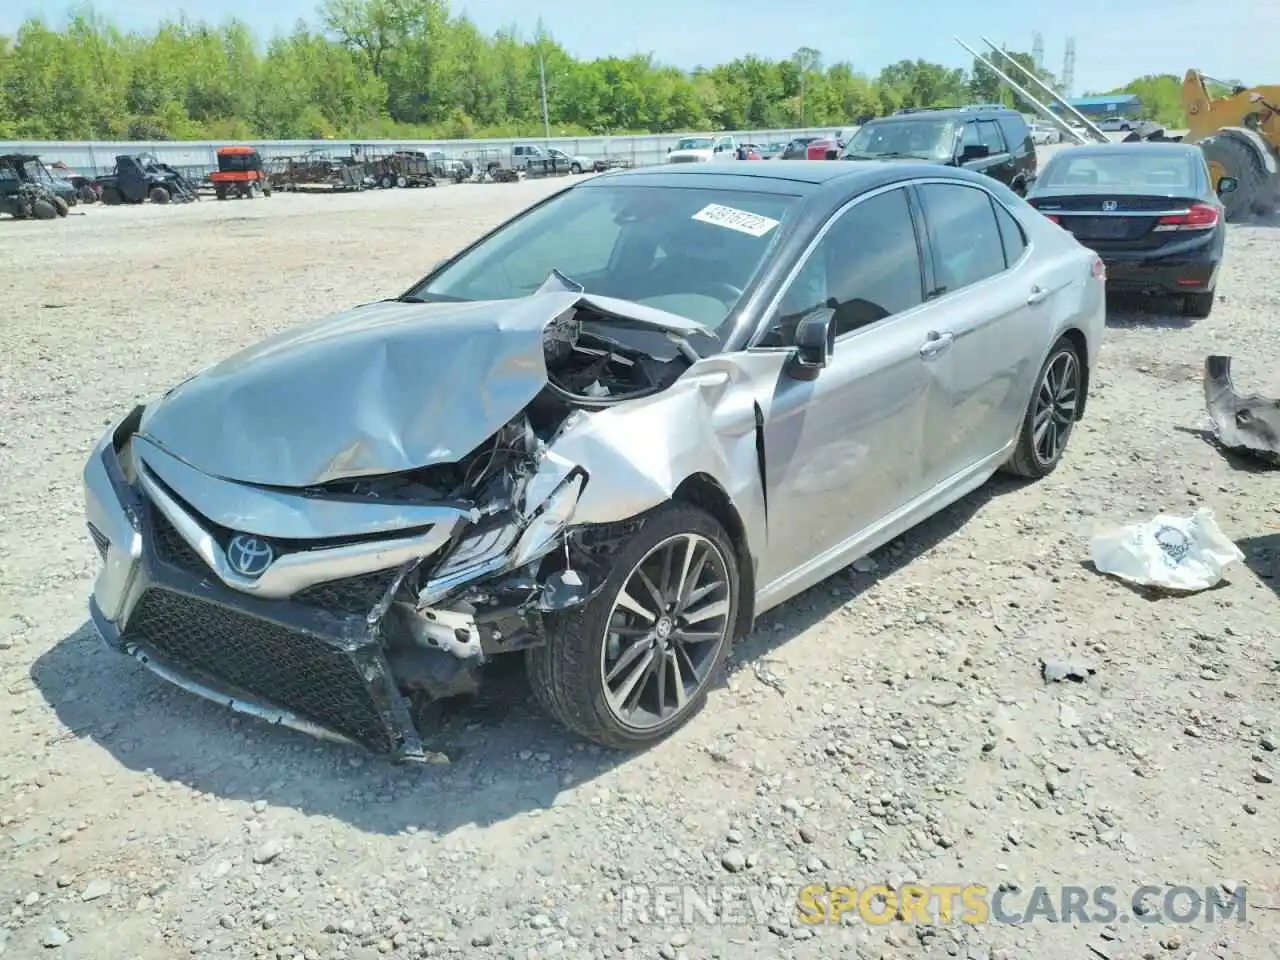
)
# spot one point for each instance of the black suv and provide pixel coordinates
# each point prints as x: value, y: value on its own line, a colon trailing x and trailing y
x: 993, y: 141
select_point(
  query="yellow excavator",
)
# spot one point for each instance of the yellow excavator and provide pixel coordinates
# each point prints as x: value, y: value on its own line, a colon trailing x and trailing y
x: 1240, y: 137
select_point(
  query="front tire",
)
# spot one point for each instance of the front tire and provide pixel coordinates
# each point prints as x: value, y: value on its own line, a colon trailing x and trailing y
x: 160, y: 195
x: 60, y: 206
x: 635, y: 663
x: 1051, y: 413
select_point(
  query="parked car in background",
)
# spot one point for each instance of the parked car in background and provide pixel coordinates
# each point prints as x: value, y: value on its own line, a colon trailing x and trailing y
x: 576, y: 425
x: 1150, y: 212
x: 750, y: 151
x: 825, y: 148
x: 1043, y: 134
x: 571, y: 163
x: 703, y: 149
x: 797, y: 148
x: 996, y: 142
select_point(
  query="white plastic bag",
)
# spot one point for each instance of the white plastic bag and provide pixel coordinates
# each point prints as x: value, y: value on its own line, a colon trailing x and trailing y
x: 1176, y: 553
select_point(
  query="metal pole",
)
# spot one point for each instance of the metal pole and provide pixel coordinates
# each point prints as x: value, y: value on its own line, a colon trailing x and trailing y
x: 546, y: 117
x: 1049, y: 91
x: 1048, y: 114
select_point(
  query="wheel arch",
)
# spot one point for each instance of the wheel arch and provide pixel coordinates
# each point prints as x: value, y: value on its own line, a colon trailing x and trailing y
x: 701, y: 490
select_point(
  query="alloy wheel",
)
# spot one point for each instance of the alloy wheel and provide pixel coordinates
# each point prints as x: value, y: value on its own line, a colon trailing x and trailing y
x: 1056, y: 401
x: 667, y: 625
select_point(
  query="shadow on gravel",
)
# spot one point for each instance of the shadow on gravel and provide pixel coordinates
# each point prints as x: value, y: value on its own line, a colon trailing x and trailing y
x: 783, y: 623
x: 1129, y: 311
x: 1262, y: 557
x: 1237, y: 461
x: 506, y: 758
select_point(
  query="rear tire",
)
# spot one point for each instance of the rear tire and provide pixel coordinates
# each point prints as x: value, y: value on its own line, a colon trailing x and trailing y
x: 43, y: 210
x: 1051, y: 413
x: 87, y: 194
x: 1198, y: 305
x: 111, y: 196
x: 159, y: 195
x: 1237, y: 160
x: 60, y: 207
x: 574, y: 675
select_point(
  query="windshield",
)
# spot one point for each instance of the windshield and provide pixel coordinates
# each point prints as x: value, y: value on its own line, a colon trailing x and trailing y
x: 36, y: 172
x: 1124, y: 169
x: 928, y: 139
x: 694, y: 143
x: 691, y: 252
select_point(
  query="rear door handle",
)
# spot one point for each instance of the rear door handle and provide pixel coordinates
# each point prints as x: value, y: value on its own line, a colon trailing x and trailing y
x: 1037, y: 294
x: 936, y: 344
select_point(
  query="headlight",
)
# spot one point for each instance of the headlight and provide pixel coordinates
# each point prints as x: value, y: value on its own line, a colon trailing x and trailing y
x: 549, y: 519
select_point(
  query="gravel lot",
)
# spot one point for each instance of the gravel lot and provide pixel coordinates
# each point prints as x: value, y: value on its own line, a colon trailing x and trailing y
x: 890, y: 725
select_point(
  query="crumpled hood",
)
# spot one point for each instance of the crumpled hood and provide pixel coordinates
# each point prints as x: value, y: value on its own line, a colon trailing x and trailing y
x: 383, y: 388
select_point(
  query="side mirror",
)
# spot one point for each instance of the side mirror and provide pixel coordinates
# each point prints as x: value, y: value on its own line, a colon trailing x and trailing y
x: 974, y: 151
x: 1227, y: 185
x: 815, y: 343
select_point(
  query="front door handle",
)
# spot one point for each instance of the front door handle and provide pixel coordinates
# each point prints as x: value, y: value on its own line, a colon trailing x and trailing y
x: 1037, y: 294
x: 936, y: 344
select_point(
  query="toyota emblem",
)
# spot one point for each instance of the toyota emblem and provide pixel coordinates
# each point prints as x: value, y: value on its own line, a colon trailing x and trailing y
x: 1109, y: 205
x: 248, y: 555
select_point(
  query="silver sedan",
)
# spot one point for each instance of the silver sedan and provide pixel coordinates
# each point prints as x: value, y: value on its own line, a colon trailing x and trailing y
x: 607, y: 437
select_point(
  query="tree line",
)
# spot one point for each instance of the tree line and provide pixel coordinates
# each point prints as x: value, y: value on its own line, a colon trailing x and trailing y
x: 412, y: 69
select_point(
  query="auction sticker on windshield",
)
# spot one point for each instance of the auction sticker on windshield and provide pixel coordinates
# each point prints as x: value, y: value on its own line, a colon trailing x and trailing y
x: 733, y: 219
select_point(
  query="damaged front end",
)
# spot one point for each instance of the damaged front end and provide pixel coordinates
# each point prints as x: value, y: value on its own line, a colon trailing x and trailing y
x: 344, y: 607
x: 1248, y: 424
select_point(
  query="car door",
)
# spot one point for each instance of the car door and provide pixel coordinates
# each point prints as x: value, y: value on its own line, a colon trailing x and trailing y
x: 845, y: 449
x: 988, y: 290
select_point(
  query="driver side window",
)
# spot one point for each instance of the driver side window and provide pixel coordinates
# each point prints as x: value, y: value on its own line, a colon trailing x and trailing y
x: 866, y: 267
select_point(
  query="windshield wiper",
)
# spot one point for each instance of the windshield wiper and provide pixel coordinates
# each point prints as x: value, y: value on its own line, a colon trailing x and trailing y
x: 889, y: 155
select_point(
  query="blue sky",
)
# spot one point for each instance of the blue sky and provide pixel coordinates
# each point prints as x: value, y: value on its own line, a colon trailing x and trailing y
x: 1116, y: 40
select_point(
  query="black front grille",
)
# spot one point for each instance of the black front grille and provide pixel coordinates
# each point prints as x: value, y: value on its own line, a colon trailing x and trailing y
x: 171, y: 545
x: 284, y: 667
x: 350, y: 595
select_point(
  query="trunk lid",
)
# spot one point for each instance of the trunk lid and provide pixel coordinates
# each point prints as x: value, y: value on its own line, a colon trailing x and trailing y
x: 1115, y: 221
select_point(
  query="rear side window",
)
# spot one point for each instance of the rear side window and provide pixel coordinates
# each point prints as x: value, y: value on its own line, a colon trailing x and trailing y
x: 1011, y: 235
x: 964, y: 234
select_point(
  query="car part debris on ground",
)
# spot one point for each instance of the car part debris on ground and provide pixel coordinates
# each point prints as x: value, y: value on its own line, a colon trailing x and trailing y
x: 1172, y: 553
x: 1055, y: 671
x: 1247, y: 424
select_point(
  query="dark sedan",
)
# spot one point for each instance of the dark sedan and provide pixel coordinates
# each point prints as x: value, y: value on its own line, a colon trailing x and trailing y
x: 1149, y: 211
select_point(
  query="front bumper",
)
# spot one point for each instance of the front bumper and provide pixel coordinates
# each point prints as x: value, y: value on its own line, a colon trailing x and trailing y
x: 306, y: 646
x: 312, y: 662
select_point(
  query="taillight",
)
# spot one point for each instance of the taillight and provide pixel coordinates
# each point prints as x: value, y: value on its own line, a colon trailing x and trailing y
x: 1099, y: 269
x: 1201, y: 216
x: 1053, y: 218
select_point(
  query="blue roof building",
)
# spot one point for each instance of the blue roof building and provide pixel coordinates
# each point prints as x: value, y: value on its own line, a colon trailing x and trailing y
x: 1111, y: 105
